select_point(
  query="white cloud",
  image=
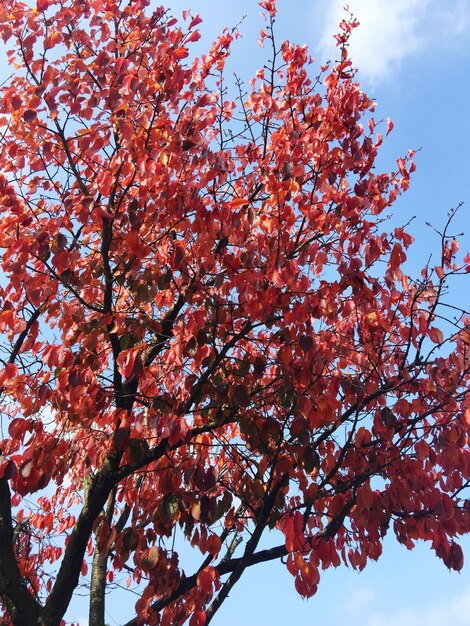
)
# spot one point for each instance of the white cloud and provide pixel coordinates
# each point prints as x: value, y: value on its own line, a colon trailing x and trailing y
x: 392, y: 31
x: 388, y: 33
x: 454, y: 610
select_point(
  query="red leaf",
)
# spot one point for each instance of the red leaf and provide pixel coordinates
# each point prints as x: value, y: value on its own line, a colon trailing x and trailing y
x: 16, y: 103
x: 241, y: 396
x: 435, y: 335
x: 213, y: 545
x: 29, y: 115
x: 205, y: 579
x: 198, y: 618
x: 18, y: 427
x: 180, y: 53
x: 269, y: 6
x: 440, y: 272
x: 150, y: 557
x: 455, y: 559
x: 127, y: 362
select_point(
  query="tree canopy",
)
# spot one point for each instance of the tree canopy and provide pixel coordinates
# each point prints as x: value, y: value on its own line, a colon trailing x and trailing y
x: 208, y: 336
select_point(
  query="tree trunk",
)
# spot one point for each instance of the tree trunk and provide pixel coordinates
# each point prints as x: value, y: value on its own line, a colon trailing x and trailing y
x: 98, y: 587
x: 99, y: 568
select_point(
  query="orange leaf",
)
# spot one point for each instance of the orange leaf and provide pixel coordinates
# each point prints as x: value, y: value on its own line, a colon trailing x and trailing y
x: 237, y: 202
x: 180, y: 53
x: 435, y: 335
x: 205, y: 579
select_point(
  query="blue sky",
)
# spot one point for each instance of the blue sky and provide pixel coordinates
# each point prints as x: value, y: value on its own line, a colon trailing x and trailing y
x: 414, y: 59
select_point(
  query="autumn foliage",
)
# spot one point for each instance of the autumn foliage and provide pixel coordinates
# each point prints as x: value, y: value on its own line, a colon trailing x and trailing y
x: 207, y: 330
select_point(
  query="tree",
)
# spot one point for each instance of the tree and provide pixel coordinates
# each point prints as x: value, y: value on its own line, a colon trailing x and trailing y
x: 208, y: 333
